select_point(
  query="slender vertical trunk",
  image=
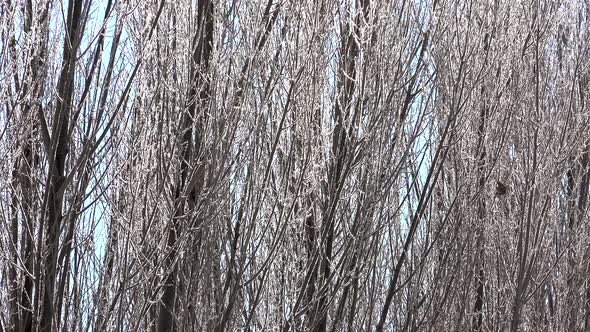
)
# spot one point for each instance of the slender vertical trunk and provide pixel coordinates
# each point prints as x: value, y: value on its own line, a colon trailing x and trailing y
x: 22, y: 223
x: 481, y: 155
x: 480, y: 224
x: 198, y: 97
x: 58, y: 154
x: 582, y: 212
x: 341, y: 157
x: 310, y: 232
x: 14, y: 262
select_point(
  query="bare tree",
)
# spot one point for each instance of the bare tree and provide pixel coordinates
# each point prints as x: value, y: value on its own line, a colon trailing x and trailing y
x: 294, y: 165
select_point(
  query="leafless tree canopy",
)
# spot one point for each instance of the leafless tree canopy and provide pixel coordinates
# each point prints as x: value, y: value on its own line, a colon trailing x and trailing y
x: 294, y: 165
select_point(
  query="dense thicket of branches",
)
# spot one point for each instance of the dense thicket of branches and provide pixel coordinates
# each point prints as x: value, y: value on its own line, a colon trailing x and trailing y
x: 204, y: 165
